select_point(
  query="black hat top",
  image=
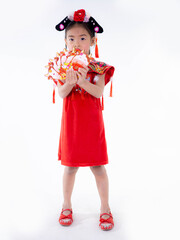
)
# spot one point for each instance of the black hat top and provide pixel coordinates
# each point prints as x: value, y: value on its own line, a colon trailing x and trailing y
x: 80, y: 16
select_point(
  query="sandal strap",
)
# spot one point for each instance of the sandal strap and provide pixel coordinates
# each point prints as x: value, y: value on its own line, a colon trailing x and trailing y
x: 67, y: 210
x: 109, y: 214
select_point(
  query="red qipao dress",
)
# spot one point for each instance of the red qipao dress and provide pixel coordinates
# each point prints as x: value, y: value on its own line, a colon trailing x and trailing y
x: 82, y: 139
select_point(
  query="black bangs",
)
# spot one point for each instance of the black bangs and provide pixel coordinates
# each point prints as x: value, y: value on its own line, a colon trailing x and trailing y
x: 83, y: 24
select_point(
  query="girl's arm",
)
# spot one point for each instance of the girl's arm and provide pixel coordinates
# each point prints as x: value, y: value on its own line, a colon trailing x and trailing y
x: 70, y: 82
x: 95, y: 90
x: 64, y: 89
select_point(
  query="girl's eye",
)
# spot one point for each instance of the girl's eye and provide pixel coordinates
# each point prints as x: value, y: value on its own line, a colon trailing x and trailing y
x: 71, y: 39
x: 82, y: 38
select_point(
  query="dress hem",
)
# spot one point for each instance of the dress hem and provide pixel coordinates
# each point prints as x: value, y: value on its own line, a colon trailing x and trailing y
x: 81, y: 165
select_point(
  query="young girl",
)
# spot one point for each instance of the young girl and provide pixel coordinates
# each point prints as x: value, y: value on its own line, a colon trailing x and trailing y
x: 82, y: 140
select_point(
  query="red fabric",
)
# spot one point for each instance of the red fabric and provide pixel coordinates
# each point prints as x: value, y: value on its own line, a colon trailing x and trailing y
x: 82, y: 139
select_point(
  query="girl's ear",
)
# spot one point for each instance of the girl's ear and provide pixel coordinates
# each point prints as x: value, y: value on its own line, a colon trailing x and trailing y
x: 93, y: 41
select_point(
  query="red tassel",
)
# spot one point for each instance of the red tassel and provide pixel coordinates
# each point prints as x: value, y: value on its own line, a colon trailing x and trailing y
x: 96, y: 50
x: 102, y: 102
x: 53, y: 94
x: 111, y: 89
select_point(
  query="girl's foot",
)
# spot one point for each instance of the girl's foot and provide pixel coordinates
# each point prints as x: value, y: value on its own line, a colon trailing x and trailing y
x: 67, y: 207
x: 65, y: 218
x: 106, y: 221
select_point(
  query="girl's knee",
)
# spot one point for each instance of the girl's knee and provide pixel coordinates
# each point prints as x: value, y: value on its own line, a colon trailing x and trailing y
x: 71, y: 170
x: 98, y: 170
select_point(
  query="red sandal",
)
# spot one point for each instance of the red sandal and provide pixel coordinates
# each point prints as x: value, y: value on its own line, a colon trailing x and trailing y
x: 106, y: 224
x: 66, y: 220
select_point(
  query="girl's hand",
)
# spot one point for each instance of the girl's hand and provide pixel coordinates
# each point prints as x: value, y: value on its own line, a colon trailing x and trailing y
x: 82, y: 73
x: 71, y: 77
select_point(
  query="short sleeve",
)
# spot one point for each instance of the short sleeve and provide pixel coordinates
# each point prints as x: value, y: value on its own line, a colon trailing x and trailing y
x: 102, y: 68
x: 108, y: 74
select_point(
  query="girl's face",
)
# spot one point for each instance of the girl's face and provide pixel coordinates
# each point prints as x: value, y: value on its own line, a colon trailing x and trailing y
x: 78, y: 37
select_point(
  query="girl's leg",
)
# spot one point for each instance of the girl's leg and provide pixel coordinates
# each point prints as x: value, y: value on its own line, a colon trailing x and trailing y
x: 68, y: 184
x: 103, y: 187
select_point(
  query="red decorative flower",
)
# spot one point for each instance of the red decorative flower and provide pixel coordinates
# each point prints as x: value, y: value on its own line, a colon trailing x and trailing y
x: 79, y: 15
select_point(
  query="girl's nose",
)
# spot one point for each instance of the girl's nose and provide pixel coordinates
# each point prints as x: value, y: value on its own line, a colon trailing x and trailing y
x: 76, y: 44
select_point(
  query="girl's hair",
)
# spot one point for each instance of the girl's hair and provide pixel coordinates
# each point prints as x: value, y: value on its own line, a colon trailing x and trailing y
x: 83, y: 24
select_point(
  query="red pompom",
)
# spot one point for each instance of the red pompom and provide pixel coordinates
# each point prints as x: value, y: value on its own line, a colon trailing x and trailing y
x: 79, y: 15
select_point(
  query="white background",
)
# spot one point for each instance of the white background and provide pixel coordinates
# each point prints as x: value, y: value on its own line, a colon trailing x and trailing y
x: 141, y: 39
